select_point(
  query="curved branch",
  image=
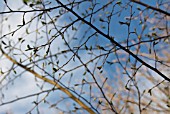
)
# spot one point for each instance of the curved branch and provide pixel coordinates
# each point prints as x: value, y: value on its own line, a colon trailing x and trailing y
x: 84, y: 106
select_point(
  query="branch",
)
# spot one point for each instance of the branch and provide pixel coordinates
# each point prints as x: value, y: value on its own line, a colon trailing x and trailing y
x: 114, y: 42
x: 84, y: 106
x: 150, y: 7
x: 20, y: 98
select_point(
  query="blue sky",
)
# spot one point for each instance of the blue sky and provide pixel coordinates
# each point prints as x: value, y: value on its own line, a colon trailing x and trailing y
x: 118, y: 31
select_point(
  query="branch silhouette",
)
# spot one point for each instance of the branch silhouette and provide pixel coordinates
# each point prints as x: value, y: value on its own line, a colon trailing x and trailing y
x: 150, y: 7
x: 114, y: 42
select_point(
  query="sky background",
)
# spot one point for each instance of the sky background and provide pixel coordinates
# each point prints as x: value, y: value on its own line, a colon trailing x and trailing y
x: 26, y: 84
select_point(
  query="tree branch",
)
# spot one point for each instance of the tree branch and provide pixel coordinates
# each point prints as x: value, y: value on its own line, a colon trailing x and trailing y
x: 114, y: 42
x: 150, y: 7
x: 84, y: 106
